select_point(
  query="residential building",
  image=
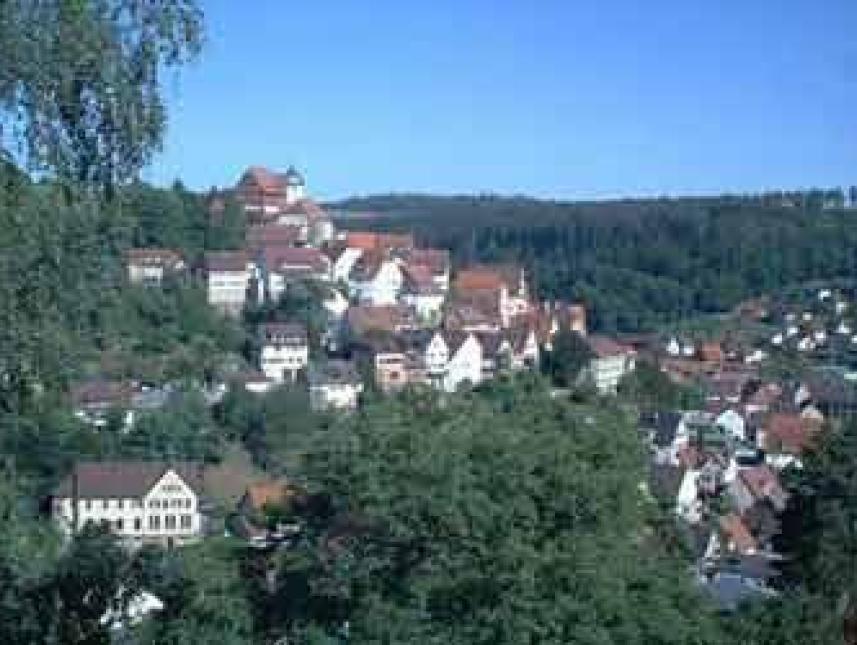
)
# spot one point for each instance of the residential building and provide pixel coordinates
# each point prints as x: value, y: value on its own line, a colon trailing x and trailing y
x: 96, y: 400
x: 141, y: 502
x: 435, y: 261
x: 609, y: 363
x: 269, y: 197
x: 228, y: 275
x: 420, y: 290
x: 379, y: 242
x: 149, y: 267
x: 376, y: 280
x: 506, y: 284
x: 335, y: 384
x: 284, y: 350
x: 464, y: 366
x: 281, y: 265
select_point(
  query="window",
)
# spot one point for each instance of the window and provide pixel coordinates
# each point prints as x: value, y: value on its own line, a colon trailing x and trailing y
x: 154, y: 504
x: 155, y: 522
x: 170, y: 522
x: 138, y: 524
x: 88, y: 504
x: 105, y: 504
x: 120, y: 503
x: 119, y: 524
x: 186, y: 522
x: 188, y: 503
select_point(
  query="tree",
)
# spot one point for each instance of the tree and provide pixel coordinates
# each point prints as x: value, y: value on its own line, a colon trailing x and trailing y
x: 80, y: 80
x: 568, y: 356
x: 652, y: 390
x: 489, y: 520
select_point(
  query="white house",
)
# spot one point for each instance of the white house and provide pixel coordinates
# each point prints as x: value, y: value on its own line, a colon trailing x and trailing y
x: 733, y: 424
x: 141, y: 502
x: 609, y: 363
x: 284, y: 351
x: 344, y: 262
x: 285, y: 264
x: 228, y: 276
x: 673, y: 347
x: 149, y: 267
x: 336, y: 385
x: 464, y: 366
x: 420, y: 291
x: 376, y: 281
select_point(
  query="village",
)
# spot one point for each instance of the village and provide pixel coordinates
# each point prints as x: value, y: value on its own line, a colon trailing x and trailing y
x: 400, y: 316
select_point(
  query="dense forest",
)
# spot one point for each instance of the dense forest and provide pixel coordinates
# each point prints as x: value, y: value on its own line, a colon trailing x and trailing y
x: 637, y: 264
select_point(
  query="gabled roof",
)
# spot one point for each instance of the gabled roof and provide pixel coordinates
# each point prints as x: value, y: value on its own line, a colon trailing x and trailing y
x: 738, y: 534
x: 488, y: 277
x: 99, y: 392
x: 334, y: 372
x: 371, y: 241
x: 287, y: 257
x: 364, y: 318
x: 262, y: 178
x: 288, y: 333
x: 226, y: 261
x: 436, y: 260
x: 125, y: 479
x: 419, y: 279
x: 262, y: 494
x: 605, y: 347
x: 790, y: 433
x: 154, y: 257
x: 264, y: 235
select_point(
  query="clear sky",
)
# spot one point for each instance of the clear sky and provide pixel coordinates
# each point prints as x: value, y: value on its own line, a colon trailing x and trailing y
x: 567, y: 98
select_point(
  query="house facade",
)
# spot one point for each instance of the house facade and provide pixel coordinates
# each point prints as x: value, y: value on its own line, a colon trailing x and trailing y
x: 227, y: 275
x: 149, y: 267
x: 609, y: 363
x: 140, y: 502
x: 335, y: 385
x: 284, y: 351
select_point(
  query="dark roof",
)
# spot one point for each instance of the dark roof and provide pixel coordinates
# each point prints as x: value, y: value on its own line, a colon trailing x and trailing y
x: 664, y: 425
x: 333, y: 372
x: 125, y: 479
x: 288, y: 332
x: 226, y: 261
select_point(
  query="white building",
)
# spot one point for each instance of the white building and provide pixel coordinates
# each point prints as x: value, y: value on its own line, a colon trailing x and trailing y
x: 609, y: 363
x: 464, y: 366
x: 376, y: 282
x: 149, y: 267
x: 141, y: 502
x: 336, y: 385
x: 227, y: 276
x: 284, y: 351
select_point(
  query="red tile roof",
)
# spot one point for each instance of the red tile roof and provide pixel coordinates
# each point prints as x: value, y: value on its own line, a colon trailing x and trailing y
x: 364, y: 318
x: 737, y: 534
x: 263, y: 178
x: 371, y: 241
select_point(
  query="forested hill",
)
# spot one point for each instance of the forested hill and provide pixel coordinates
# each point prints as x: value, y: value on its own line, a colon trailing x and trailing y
x: 636, y: 263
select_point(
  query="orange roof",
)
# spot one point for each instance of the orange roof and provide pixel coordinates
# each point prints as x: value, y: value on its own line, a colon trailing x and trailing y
x: 264, y: 494
x: 737, y: 533
x: 710, y: 352
x: 371, y: 241
x: 790, y: 433
x: 604, y: 347
x: 271, y: 234
x: 478, y: 280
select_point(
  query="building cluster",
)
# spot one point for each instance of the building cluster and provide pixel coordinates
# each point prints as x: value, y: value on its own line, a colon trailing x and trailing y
x: 394, y: 309
x: 721, y: 466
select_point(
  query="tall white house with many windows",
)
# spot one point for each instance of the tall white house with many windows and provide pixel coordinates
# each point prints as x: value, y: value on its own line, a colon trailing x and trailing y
x: 141, y: 502
x: 284, y: 351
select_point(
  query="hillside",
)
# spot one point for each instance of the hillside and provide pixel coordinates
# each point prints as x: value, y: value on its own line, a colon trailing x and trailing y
x: 635, y: 263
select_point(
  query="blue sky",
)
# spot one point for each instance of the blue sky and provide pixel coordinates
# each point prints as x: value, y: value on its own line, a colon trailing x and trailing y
x: 566, y: 99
